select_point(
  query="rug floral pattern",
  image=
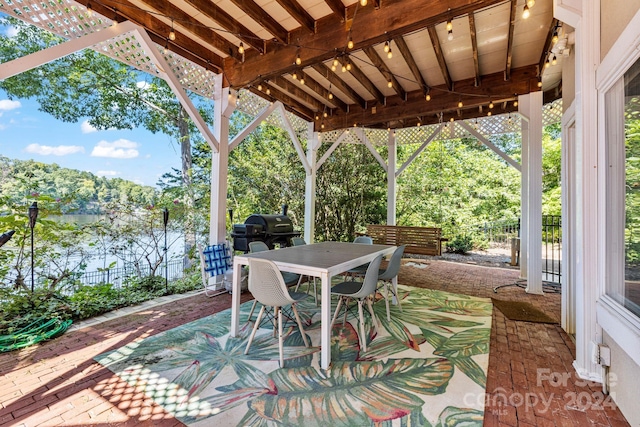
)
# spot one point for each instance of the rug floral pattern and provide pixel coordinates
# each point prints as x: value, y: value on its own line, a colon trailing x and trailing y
x: 425, y: 367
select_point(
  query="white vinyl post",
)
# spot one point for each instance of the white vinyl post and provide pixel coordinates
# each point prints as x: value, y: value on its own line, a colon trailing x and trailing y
x: 531, y: 107
x: 310, y: 185
x: 391, y: 178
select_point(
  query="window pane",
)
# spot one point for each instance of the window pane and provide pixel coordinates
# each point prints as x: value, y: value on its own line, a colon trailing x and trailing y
x: 629, y: 296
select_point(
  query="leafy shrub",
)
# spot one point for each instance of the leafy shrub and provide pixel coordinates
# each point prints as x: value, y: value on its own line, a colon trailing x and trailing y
x: 460, y: 244
x: 20, y: 307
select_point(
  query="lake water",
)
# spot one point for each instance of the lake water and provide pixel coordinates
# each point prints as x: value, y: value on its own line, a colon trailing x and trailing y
x: 174, y: 241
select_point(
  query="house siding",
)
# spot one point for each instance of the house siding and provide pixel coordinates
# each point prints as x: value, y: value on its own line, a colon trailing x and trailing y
x: 615, y: 15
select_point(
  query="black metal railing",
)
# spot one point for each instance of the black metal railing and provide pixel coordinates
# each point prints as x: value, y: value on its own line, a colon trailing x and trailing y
x: 117, y: 276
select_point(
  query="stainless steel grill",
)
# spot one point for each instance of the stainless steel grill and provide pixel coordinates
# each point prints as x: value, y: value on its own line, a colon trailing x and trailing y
x: 270, y: 229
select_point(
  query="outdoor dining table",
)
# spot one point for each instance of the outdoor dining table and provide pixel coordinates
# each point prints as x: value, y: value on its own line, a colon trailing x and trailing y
x: 323, y: 260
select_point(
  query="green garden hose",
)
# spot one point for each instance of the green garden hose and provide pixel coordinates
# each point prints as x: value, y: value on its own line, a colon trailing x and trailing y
x: 39, y: 330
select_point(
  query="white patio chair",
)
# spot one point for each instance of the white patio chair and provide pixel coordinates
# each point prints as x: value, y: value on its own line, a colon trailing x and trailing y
x: 360, y: 291
x: 267, y: 286
x: 386, y: 277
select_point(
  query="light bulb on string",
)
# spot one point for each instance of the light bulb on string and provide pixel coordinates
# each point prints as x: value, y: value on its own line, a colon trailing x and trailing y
x: 302, y: 80
x: 363, y: 3
x: 386, y: 46
x: 324, y: 114
x: 166, y: 47
x: 554, y: 61
x: 298, y: 59
x: 449, y: 25
x: 547, y: 64
x: 390, y: 54
x: 515, y: 103
x: 450, y: 35
x: 172, y: 33
x: 260, y: 87
x: 490, y: 104
x: 89, y: 11
x: 525, y: 12
x: 531, y: 3
x: 322, y: 126
x: 348, y: 66
x: 460, y: 104
x: 330, y: 95
x: 428, y: 97
x: 350, y: 43
x: 488, y: 113
x: 539, y: 83
x: 268, y: 91
x: 241, y: 49
x: 554, y: 39
x: 294, y: 75
x: 344, y: 68
x: 390, y: 84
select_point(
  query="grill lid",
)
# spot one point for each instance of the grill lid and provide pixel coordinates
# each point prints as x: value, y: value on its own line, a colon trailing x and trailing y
x: 271, y: 224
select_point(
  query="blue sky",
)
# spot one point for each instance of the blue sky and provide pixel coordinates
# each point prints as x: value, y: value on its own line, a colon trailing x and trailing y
x: 138, y: 155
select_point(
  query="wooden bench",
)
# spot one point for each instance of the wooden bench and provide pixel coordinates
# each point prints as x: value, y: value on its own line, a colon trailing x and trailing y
x: 419, y: 240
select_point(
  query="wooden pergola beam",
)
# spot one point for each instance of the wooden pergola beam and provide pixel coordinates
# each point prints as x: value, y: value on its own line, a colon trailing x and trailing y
x: 364, y: 80
x: 226, y: 21
x: 290, y: 104
x: 384, y: 69
x: 512, y: 23
x: 299, y: 14
x: 411, y: 62
x: 435, y: 42
x: 338, y: 8
x: 296, y: 90
x: 324, y: 93
x: 370, y: 27
x: 256, y: 13
x: 326, y: 72
x: 474, y: 47
x: 494, y: 88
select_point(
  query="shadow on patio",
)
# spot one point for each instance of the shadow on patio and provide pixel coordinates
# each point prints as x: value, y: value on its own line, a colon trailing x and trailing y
x: 530, y: 380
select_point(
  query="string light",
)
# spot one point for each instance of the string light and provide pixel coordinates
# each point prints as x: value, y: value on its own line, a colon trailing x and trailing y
x: 428, y: 96
x: 335, y: 64
x: 350, y: 43
x: 330, y: 95
x: 488, y: 113
x: 89, y: 10
x: 317, y: 116
x: 531, y: 3
x: 324, y: 114
x: 348, y: 66
x: 322, y: 126
x: 390, y: 53
x: 450, y: 35
x: 259, y: 87
x: 166, y: 47
x: 294, y: 75
x: 525, y: 12
x: 386, y: 46
x: 172, y: 34
x: 268, y: 91
x: 554, y: 61
x: 241, y: 49
x: 298, y: 59
x: 449, y: 25
x: 390, y: 84
x: 302, y: 79
x: 547, y: 64
x: 540, y: 82
x: 363, y: 3
x: 554, y: 39
x: 515, y: 103
x: 460, y: 104
x: 344, y: 68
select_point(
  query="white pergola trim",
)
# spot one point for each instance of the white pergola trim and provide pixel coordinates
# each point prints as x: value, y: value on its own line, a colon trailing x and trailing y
x: 491, y: 145
x: 266, y: 112
x: 359, y: 132
x: 419, y: 150
x: 294, y: 138
x: 331, y: 149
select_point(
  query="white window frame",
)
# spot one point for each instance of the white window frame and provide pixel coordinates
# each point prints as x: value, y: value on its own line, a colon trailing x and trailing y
x: 619, y: 323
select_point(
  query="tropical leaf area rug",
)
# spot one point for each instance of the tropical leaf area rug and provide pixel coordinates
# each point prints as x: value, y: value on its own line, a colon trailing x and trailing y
x: 425, y: 367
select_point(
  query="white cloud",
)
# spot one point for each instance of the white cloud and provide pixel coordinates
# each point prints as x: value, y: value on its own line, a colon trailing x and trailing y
x: 47, y: 150
x: 142, y: 85
x: 11, y: 31
x: 86, y: 127
x: 7, y: 104
x: 119, y: 149
x: 107, y: 173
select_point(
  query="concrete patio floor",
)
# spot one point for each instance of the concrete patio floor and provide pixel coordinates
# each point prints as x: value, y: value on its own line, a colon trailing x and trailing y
x: 530, y: 382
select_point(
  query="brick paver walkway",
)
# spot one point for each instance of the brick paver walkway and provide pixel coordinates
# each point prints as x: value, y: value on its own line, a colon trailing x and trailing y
x: 58, y: 383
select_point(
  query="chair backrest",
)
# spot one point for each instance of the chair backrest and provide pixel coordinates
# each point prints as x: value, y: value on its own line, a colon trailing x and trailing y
x: 266, y: 283
x: 365, y: 240
x: 297, y: 241
x: 370, y: 282
x: 394, y: 264
x: 258, y: 246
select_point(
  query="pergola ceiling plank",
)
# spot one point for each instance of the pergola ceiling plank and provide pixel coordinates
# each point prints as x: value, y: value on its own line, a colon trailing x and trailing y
x: 159, y: 31
x: 326, y: 72
x: 218, y: 42
x: 299, y: 14
x: 258, y: 14
x: 494, y: 88
x: 411, y: 62
x: 364, y: 80
x: 384, y: 69
x: 474, y: 47
x: 512, y: 24
x: 370, y: 27
x: 435, y: 42
x: 227, y: 22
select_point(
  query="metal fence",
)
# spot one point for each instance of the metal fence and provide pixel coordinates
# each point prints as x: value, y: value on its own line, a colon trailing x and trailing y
x: 117, y: 276
x: 500, y: 233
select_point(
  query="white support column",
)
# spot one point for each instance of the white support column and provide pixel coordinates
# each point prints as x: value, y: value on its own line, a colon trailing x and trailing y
x: 391, y: 178
x: 588, y: 235
x: 310, y: 185
x: 531, y: 107
x: 224, y: 104
x: 524, y: 195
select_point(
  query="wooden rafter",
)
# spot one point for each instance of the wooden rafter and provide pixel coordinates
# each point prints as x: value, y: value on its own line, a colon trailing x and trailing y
x: 159, y: 32
x: 290, y: 103
x: 411, y: 62
x: 324, y: 93
x: 294, y: 88
x: 338, y: 8
x: 336, y: 81
x: 547, y: 45
x: 474, y: 47
x: 257, y: 14
x: 186, y: 21
x: 364, y: 80
x: 512, y: 22
x: 370, y: 27
x: 494, y: 88
x: 226, y: 21
x: 384, y: 69
x: 435, y: 42
x: 299, y: 14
